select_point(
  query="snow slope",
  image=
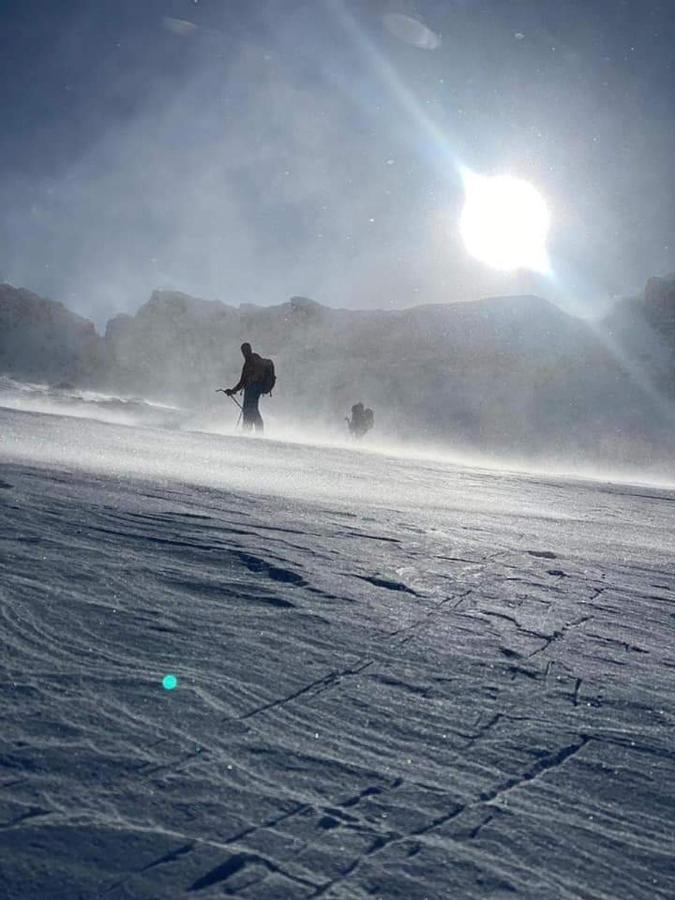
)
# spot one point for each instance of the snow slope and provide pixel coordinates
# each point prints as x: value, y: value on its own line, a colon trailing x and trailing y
x: 397, y: 678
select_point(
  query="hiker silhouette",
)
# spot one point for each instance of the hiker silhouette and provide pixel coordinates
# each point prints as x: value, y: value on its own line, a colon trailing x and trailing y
x: 257, y: 378
x: 361, y: 421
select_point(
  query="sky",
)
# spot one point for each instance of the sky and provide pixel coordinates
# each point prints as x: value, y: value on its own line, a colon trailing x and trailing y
x: 253, y: 151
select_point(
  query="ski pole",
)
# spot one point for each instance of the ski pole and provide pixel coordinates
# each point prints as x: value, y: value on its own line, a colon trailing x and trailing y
x: 234, y: 400
x: 241, y: 410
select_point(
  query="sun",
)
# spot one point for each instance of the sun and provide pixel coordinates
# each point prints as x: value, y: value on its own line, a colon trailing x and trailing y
x: 505, y: 222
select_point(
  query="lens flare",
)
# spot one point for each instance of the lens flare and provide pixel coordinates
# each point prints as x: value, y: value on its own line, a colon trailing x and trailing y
x: 505, y: 223
x: 412, y: 31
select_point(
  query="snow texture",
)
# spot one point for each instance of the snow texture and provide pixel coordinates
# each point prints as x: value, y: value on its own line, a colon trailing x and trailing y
x: 396, y: 678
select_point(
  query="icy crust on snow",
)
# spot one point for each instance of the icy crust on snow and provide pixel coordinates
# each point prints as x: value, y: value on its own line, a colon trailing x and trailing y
x: 417, y: 681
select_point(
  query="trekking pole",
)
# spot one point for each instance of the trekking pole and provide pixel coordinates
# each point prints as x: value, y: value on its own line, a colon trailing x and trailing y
x: 234, y: 400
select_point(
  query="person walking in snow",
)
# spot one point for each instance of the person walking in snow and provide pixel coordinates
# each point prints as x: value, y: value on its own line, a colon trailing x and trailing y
x: 361, y: 422
x: 257, y: 378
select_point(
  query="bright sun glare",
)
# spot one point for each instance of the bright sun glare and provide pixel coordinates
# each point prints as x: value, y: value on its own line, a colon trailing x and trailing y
x: 505, y: 222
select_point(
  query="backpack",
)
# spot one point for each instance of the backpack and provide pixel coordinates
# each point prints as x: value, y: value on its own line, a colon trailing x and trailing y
x: 269, y: 379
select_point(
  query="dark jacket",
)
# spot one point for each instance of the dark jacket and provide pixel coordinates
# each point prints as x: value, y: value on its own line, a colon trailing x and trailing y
x: 253, y: 372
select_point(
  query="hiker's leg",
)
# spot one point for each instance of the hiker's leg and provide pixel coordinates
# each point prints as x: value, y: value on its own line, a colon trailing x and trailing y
x: 252, y: 417
x: 248, y: 409
x: 256, y: 418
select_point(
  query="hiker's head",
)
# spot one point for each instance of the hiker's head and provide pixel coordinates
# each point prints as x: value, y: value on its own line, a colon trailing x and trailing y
x: 246, y: 350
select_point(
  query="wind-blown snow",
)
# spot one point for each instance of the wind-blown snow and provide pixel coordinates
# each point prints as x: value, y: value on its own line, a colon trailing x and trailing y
x: 396, y: 678
x: 87, y: 404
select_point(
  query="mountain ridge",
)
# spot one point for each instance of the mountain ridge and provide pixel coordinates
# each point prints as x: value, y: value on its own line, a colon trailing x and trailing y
x: 502, y: 373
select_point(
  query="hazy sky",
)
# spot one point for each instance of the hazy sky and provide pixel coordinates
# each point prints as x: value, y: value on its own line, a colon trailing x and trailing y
x: 255, y: 150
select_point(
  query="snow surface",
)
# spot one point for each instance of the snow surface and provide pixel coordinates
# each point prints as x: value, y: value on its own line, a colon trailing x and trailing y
x: 396, y: 677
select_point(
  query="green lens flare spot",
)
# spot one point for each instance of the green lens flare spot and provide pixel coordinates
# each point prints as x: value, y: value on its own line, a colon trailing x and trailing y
x: 169, y: 682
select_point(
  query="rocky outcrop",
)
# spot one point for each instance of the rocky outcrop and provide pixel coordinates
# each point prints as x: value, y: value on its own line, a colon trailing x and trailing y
x: 42, y: 340
x: 660, y: 292
x: 643, y: 332
x: 659, y: 307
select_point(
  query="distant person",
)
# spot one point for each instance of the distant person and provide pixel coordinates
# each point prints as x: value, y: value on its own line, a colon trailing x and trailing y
x: 361, y: 421
x: 257, y: 378
x: 354, y: 423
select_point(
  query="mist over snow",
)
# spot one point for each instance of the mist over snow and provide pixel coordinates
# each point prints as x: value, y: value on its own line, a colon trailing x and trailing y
x: 514, y: 379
